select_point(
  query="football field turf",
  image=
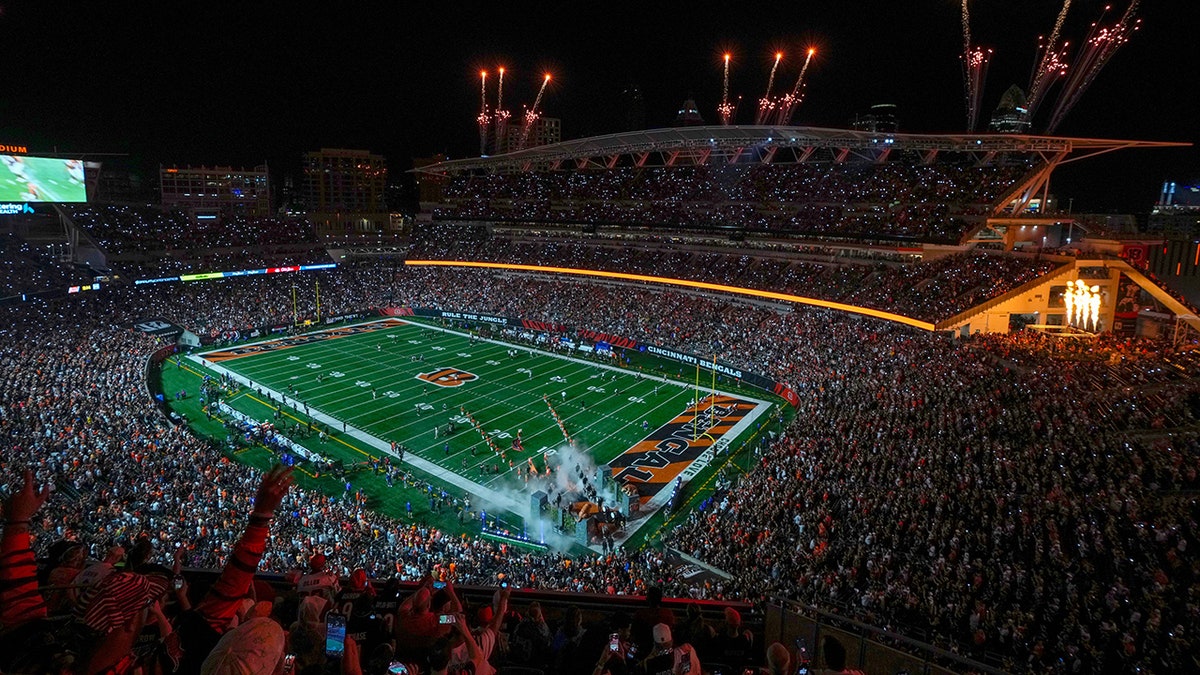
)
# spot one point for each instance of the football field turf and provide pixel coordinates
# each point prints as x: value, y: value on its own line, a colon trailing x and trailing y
x: 396, y: 381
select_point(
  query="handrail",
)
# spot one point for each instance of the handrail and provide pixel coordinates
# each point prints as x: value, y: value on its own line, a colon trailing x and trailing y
x: 907, y: 645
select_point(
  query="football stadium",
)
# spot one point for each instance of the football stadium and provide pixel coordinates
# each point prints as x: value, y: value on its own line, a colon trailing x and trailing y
x: 724, y: 398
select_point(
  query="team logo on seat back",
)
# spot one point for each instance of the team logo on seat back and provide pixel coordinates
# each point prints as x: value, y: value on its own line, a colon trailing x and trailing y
x: 448, y: 377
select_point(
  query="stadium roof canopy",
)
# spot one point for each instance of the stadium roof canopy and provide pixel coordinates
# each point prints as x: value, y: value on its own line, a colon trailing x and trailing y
x: 692, y: 146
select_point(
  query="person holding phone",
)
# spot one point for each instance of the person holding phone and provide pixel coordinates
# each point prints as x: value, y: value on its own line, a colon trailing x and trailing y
x: 468, y: 649
x: 335, y: 635
x: 485, y: 635
x: 417, y: 621
x: 613, y: 635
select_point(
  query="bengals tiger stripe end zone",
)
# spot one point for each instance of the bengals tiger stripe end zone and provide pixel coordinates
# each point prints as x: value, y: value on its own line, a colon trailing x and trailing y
x: 297, y: 340
x: 683, y: 446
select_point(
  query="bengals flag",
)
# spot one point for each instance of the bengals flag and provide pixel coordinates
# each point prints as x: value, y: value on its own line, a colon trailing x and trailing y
x: 1138, y: 255
x: 658, y: 459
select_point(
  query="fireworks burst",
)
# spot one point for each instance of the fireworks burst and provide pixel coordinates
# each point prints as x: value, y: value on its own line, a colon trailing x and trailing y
x: 532, y: 114
x: 791, y: 101
x: 1050, y: 67
x: 765, y: 104
x: 1051, y: 63
x: 483, y: 119
x: 1103, y: 41
x: 501, y: 115
x: 975, y: 66
x: 975, y: 63
x: 725, y: 110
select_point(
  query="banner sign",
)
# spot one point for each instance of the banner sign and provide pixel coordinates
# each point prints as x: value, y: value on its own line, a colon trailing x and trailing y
x: 613, y: 340
x: 236, y: 273
x: 158, y: 327
x: 508, y: 321
x: 345, y: 317
x: 543, y: 326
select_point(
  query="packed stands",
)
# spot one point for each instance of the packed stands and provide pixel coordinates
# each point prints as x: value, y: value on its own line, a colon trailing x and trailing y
x: 30, y: 268
x: 1003, y: 495
x: 127, y: 229
x: 876, y: 200
x: 931, y: 291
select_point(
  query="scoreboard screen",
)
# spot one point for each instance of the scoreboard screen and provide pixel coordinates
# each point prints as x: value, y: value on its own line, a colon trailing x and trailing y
x: 41, y: 179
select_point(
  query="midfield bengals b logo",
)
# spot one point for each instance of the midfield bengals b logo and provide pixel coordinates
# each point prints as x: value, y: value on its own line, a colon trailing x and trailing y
x: 448, y: 377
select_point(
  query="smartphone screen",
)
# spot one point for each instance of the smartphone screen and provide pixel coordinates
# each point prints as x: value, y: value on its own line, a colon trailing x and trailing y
x: 447, y: 618
x: 335, y: 635
x: 439, y: 585
x: 397, y: 668
x: 614, y: 642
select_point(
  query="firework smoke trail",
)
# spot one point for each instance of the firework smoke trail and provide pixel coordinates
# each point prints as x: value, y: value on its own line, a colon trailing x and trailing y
x: 973, y: 61
x: 483, y: 118
x: 500, y: 92
x: 531, y: 115
x: 1050, y: 65
x: 502, y: 115
x: 765, y: 104
x: 1102, y: 43
x: 725, y: 110
x: 1058, y: 23
x: 792, y: 101
x: 966, y: 27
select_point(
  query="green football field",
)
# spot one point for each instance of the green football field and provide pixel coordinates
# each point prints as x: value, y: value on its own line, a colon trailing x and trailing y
x: 388, y: 381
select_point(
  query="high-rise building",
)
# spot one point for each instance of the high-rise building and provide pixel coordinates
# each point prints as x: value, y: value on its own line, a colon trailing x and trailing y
x: 1012, y: 115
x: 545, y: 131
x: 215, y: 193
x: 881, y: 119
x: 1177, y: 212
x: 344, y: 191
x: 689, y: 115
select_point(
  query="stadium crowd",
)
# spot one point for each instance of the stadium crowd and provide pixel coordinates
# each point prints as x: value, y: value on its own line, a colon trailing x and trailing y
x: 894, y: 199
x: 1032, y: 506
x: 122, y: 229
x: 27, y: 268
x: 931, y: 291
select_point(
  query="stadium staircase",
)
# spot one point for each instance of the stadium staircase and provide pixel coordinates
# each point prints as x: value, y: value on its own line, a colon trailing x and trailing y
x: 963, y: 316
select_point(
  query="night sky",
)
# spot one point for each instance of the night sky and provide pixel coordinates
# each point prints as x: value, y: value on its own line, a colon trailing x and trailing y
x: 238, y: 83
